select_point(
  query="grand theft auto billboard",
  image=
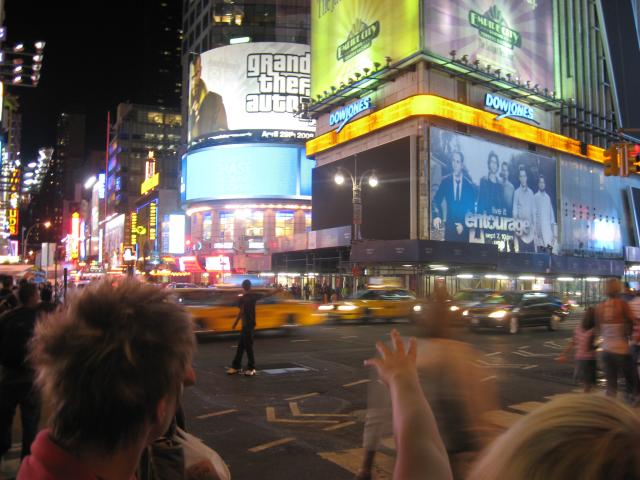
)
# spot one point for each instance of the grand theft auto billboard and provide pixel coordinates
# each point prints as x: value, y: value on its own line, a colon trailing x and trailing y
x: 482, y: 192
x: 250, y: 92
x: 349, y: 36
x: 513, y: 36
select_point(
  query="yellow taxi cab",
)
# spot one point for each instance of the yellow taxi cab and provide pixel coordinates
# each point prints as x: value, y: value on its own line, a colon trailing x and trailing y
x: 374, y: 303
x: 215, y: 310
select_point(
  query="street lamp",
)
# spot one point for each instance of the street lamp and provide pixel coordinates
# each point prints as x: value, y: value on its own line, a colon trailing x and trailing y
x: 356, y: 188
x: 25, y: 238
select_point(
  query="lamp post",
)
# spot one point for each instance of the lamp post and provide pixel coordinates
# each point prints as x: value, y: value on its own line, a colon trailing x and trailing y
x: 356, y: 188
x: 25, y: 238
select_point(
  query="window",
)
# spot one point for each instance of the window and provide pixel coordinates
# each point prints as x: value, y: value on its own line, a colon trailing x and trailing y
x: 254, y: 226
x: 226, y: 226
x: 284, y: 223
x: 307, y: 222
x: 206, y: 226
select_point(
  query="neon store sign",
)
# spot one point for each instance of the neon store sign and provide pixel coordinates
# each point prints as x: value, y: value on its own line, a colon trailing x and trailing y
x: 344, y: 115
x: 508, y: 108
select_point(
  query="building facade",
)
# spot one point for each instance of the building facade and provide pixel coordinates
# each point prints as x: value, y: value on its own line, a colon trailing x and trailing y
x: 485, y: 126
x: 246, y: 181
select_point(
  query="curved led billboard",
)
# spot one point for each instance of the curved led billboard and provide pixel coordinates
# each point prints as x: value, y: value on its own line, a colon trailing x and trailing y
x: 246, y: 171
x: 249, y: 87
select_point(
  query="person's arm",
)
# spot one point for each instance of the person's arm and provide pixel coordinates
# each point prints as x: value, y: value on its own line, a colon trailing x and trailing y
x: 420, y: 451
x: 239, y: 316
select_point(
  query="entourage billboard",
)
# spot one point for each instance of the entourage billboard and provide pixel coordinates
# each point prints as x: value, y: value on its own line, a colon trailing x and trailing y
x: 483, y: 192
x: 349, y: 36
x: 515, y: 36
x: 250, y: 87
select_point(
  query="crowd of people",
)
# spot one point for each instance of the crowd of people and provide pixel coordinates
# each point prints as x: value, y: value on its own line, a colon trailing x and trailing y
x: 113, y: 361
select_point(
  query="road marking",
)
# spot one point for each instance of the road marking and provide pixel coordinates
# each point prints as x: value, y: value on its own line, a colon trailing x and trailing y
x: 526, y: 407
x: 530, y: 367
x: 523, y: 347
x: 300, y: 397
x: 490, y: 377
x: 339, y: 426
x: 351, y: 461
x: 275, y: 443
x: 297, y: 341
x: 359, y: 382
x: 501, y: 418
x: 532, y: 355
x: 492, y: 354
x: 553, y: 345
x: 271, y: 417
x: 484, y: 364
x: 295, y: 411
x: 216, y: 414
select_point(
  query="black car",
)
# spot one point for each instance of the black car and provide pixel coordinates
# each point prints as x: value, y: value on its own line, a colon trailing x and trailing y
x: 511, y: 311
x: 463, y: 300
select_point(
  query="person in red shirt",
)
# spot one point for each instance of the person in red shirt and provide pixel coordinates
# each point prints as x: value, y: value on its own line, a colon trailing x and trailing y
x: 112, y: 366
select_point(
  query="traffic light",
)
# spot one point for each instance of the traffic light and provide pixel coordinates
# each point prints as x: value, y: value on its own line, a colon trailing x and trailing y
x: 611, y: 161
x: 633, y: 158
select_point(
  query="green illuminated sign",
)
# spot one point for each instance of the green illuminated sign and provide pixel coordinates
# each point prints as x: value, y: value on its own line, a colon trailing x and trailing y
x: 493, y: 26
x: 359, y: 39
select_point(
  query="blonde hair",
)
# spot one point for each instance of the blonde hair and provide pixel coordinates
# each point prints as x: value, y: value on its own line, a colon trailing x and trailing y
x: 106, y: 361
x: 589, y: 437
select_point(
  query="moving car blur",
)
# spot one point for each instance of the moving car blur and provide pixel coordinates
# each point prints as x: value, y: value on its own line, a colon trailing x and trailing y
x: 513, y: 310
x: 463, y: 300
x: 215, y: 310
x: 374, y: 303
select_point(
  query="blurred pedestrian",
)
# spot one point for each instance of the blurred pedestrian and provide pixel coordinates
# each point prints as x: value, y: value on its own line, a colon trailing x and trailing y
x: 247, y: 312
x: 110, y: 398
x: 614, y: 322
x: 8, y: 299
x: 307, y: 291
x: 452, y: 383
x: 583, y: 342
x: 421, y: 453
x: 634, y: 306
x: 47, y: 305
x: 16, y: 375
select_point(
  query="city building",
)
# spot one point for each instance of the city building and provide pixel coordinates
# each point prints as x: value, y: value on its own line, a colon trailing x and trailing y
x: 140, y: 133
x: 246, y: 182
x: 475, y: 138
x: 10, y: 177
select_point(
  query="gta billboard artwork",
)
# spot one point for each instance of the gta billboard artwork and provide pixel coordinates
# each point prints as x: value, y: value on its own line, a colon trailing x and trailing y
x: 250, y: 86
x: 483, y: 192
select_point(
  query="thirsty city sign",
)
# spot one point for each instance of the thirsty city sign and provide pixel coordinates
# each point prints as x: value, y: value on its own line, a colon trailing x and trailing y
x: 249, y: 86
x: 349, y: 37
x: 515, y: 37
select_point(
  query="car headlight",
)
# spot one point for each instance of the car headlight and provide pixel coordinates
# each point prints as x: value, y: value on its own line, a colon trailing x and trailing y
x: 417, y: 308
x: 465, y: 313
x: 347, y: 308
x: 325, y: 308
x: 454, y: 308
x: 498, y: 314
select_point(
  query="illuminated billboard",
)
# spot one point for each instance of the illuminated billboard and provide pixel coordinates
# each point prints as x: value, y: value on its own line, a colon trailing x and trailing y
x: 514, y: 37
x: 349, y: 36
x: 247, y: 171
x: 247, y: 87
x: 176, y: 226
x: 483, y: 192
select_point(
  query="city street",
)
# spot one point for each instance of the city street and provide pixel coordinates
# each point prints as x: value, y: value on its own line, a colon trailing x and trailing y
x: 304, y: 410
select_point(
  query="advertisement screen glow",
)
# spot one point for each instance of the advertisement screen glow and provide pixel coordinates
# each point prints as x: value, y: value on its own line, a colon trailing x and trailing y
x: 515, y: 37
x: 247, y: 171
x: 352, y: 35
x: 176, y: 233
x: 249, y: 86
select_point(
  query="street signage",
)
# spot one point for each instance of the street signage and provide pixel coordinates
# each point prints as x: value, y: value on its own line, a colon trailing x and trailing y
x: 345, y: 114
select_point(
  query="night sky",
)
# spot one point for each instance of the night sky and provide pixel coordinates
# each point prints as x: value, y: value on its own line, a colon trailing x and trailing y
x: 90, y: 63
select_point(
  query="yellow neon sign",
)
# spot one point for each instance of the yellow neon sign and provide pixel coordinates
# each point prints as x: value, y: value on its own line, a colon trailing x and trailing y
x: 150, y: 183
x: 431, y: 105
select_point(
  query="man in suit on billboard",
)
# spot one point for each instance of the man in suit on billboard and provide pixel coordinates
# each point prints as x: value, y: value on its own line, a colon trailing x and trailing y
x: 459, y: 197
x: 545, y: 221
x: 524, y: 207
x: 206, y: 109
